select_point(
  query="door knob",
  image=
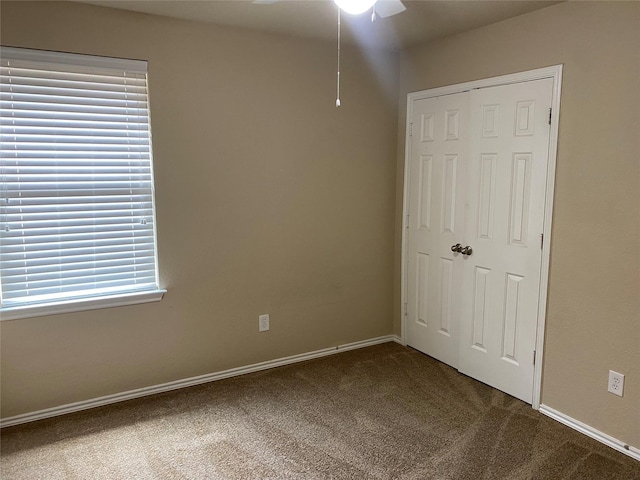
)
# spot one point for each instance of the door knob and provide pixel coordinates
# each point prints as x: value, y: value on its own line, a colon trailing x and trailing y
x: 466, y: 250
x: 456, y: 248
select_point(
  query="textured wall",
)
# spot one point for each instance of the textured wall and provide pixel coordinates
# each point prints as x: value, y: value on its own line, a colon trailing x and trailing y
x: 593, y: 311
x: 269, y: 200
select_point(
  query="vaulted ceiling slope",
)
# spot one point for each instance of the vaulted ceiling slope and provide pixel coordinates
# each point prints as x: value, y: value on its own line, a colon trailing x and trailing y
x: 423, y: 20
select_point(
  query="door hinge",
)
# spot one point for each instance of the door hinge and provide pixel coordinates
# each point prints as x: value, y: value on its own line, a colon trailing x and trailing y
x: 541, y: 241
x: 549, y: 116
x: 407, y: 223
x: 405, y: 309
x: 411, y: 129
x: 534, y: 357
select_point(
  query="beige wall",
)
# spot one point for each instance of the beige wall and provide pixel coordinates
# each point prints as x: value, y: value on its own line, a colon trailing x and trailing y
x: 593, y: 313
x: 269, y: 200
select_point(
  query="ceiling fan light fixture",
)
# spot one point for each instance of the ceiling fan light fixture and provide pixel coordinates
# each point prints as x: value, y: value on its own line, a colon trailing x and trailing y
x: 355, y: 7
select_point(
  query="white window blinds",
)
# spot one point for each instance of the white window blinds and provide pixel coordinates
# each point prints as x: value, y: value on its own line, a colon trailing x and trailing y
x: 77, y: 201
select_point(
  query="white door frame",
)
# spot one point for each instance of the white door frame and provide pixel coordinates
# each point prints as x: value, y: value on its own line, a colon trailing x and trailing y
x: 554, y: 72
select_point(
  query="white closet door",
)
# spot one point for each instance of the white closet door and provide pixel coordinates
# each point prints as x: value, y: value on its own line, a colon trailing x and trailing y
x: 507, y: 171
x: 477, y: 179
x: 436, y: 206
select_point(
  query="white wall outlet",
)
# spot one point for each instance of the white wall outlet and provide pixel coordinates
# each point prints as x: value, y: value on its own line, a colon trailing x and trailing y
x: 263, y: 322
x: 616, y: 383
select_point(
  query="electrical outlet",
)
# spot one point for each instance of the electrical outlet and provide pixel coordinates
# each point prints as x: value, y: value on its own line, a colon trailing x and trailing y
x: 263, y: 322
x: 616, y: 383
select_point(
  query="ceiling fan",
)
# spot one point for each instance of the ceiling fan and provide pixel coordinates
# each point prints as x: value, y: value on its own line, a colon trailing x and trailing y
x: 381, y: 8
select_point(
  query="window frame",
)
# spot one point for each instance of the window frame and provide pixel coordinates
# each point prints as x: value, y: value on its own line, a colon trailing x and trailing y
x: 89, y: 301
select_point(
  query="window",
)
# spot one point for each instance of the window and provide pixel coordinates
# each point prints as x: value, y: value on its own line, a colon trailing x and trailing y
x: 77, y: 215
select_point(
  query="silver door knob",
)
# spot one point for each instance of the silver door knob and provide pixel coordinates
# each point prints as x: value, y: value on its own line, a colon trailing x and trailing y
x: 466, y: 250
x: 456, y: 248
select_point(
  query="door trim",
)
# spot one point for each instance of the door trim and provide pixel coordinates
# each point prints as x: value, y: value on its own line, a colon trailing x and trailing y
x: 554, y: 72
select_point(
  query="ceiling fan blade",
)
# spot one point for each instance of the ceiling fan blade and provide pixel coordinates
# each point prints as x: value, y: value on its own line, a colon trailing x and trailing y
x: 264, y: 2
x: 387, y: 8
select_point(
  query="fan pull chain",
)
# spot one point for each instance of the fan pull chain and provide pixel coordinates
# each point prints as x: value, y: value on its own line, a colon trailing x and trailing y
x: 338, y: 77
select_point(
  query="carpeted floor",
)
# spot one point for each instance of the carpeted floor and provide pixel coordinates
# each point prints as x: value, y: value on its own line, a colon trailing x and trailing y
x: 383, y: 412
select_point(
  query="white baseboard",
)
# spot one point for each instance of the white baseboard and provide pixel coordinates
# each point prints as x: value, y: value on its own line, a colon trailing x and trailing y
x: 189, y: 382
x: 591, y: 432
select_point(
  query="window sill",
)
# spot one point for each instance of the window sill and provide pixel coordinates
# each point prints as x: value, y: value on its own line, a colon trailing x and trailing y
x: 79, y: 305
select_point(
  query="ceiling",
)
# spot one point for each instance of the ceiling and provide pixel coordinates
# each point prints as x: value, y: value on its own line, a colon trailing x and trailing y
x: 423, y: 21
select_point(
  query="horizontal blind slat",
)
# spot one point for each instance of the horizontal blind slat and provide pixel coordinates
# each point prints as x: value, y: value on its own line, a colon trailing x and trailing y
x: 24, y: 116
x: 34, y: 263
x: 97, y: 212
x: 33, y: 72
x: 66, y: 84
x: 11, y: 140
x: 45, y: 249
x: 61, y: 123
x: 70, y: 275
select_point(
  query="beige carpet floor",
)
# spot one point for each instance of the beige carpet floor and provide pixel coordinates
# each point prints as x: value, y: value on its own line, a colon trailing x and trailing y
x: 383, y: 412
